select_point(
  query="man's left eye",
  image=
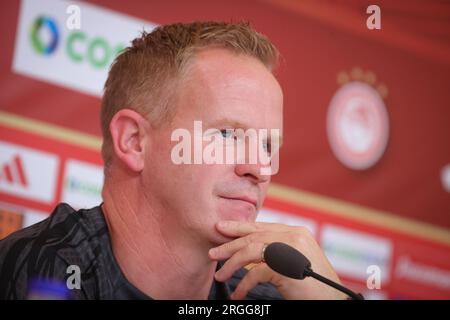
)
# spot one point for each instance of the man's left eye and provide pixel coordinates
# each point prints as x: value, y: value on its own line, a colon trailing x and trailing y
x: 267, y: 147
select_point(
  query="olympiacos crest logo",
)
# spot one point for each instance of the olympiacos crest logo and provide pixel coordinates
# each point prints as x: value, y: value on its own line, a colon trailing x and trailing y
x: 358, y: 125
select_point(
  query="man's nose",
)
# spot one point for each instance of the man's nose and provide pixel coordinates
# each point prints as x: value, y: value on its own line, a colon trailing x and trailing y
x: 252, y: 172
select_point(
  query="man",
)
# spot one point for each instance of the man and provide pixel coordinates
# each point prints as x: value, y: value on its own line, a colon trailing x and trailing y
x: 167, y: 230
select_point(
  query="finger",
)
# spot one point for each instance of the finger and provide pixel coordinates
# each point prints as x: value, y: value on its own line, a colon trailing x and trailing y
x: 227, y: 249
x: 239, y: 229
x: 258, y: 274
x: 250, y: 253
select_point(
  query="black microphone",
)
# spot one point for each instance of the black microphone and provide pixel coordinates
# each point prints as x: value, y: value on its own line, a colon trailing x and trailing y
x: 291, y: 263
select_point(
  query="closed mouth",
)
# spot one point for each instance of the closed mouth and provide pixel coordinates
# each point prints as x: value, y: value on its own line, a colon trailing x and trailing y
x: 246, y: 199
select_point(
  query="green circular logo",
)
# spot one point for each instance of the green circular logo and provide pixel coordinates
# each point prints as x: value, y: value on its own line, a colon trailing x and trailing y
x: 38, y: 44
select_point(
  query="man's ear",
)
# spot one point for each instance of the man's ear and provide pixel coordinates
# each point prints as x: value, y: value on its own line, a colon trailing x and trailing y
x: 129, y: 138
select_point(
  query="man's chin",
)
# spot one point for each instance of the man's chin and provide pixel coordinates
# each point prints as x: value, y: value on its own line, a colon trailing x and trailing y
x: 236, y: 210
x: 219, y: 239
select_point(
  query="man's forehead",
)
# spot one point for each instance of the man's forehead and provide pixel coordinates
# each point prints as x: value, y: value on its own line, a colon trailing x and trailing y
x: 223, y: 89
x: 216, y: 63
x: 222, y: 74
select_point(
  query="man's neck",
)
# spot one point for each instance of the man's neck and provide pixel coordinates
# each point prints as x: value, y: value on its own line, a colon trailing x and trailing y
x: 158, y: 259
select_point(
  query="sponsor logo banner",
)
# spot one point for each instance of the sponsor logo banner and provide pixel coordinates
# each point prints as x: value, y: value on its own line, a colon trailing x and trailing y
x: 28, y: 173
x: 82, y: 184
x: 351, y: 252
x: 46, y: 49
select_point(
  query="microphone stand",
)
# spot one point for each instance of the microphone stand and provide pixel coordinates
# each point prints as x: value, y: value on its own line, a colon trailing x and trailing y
x: 309, y: 273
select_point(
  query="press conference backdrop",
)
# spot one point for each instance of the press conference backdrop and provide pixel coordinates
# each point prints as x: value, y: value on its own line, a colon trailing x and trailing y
x: 366, y: 160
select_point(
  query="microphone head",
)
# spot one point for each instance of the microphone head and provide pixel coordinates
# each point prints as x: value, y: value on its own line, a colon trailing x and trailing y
x: 286, y: 260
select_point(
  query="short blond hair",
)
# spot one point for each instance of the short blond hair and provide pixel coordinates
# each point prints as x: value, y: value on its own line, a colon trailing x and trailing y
x: 143, y: 76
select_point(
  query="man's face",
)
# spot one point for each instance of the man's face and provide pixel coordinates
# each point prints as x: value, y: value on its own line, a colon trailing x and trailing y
x: 224, y: 91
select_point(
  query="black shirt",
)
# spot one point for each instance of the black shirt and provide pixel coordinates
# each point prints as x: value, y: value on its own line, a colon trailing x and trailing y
x: 45, y: 250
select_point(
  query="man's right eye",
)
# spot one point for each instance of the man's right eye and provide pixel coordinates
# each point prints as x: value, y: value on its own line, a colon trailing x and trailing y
x: 227, y: 133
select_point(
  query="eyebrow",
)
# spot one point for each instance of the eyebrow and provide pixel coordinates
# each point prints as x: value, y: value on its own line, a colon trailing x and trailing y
x: 234, y: 124
x: 226, y: 121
